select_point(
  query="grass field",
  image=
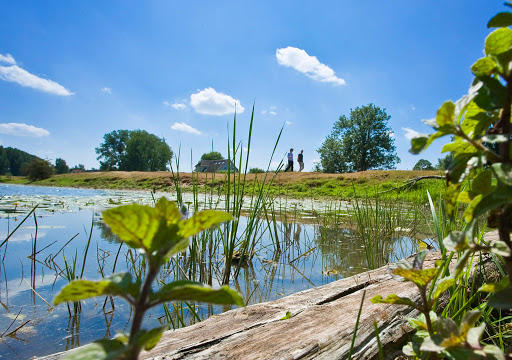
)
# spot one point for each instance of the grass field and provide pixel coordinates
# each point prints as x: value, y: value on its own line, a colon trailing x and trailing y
x: 296, y: 185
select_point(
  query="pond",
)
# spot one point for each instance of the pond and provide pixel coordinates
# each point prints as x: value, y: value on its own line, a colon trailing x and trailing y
x: 64, y: 237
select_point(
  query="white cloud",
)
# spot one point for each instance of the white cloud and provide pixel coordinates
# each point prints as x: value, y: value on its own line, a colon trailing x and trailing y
x: 287, y: 123
x: 22, y: 130
x: 308, y: 65
x: 410, y: 133
x: 24, y: 78
x: 7, y: 59
x: 176, y: 105
x: 272, y: 113
x: 186, y: 128
x: 210, y: 102
x: 413, y: 107
x: 107, y: 90
x: 263, y: 112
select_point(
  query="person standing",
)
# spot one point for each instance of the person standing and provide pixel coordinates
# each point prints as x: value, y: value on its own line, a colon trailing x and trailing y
x: 300, y: 159
x: 290, y: 161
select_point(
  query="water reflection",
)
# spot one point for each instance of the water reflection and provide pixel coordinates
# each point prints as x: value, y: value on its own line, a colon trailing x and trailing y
x: 290, y: 255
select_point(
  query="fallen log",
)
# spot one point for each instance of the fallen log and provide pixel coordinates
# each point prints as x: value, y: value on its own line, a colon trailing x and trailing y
x: 321, y: 323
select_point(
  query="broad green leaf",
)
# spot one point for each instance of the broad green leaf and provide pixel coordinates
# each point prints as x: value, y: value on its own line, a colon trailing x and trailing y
x: 492, y: 95
x: 503, y: 172
x: 420, y: 277
x: 448, y: 329
x: 493, y: 352
x: 498, y: 41
x: 458, y: 147
x: 482, y: 184
x: 117, y: 285
x: 172, y: 248
x: 417, y: 324
x: 168, y: 210
x: 419, y: 259
x: 394, y: 299
x: 501, y: 299
x: 493, y: 200
x: 468, y: 213
x: 495, y: 287
x: 474, y: 335
x: 99, y: 350
x: 191, y: 291
x: 484, y: 66
x: 442, y: 286
x: 418, y: 144
x: 451, y: 195
x: 500, y: 248
x: 433, y: 344
x: 201, y: 221
x: 468, y: 321
x: 149, y: 339
x: 135, y: 224
x: 455, y: 241
x: 458, y: 167
x: 446, y: 114
x: 502, y: 19
x: 464, y: 197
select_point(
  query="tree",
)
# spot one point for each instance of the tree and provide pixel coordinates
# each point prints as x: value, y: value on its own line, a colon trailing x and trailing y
x: 444, y: 163
x: 423, y: 164
x: 38, y: 169
x: 212, y: 155
x: 358, y: 143
x: 112, y: 149
x: 61, y: 167
x: 135, y: 150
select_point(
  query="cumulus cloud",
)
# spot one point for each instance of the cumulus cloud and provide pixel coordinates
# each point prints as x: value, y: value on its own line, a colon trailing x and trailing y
x: 410, y: 133
x: 211, y: 102
x: 287, y: 123
x: 272, y: 113
x: 186, y: 128
x: 20, y: 76
x: 7, y: 59
x: 22, y: 130
x: 308, y: 65
x: 107, y: 90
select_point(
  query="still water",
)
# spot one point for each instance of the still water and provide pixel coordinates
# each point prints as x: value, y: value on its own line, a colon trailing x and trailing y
x: 51, y: 243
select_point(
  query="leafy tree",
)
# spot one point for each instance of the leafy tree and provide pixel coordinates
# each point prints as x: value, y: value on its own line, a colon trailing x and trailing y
x: 18, y: 159
x: 444, y: 163
x: 358, y: 143
x: 135, y: 150
x: 61, y: 167
x: 212, y: 155
x: 256, y: 170
x: 423, y: 165
x: 38, y: 169
x: 112, y: 149
x: 4, y: 161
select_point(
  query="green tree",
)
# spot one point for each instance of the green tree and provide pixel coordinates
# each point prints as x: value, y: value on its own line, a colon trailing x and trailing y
x: 145, y: 152
x: 423, y: 164
x: 4, y: 161
x: 38, y: 169
x: 112, y: 149
x: 61, y: 167
x: 212, y: 155
x: 358, y: 143
x: 135, y: 150
x: 444, y: 163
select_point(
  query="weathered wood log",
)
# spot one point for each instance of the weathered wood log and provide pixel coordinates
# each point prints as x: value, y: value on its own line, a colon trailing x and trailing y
x: 321, y: 325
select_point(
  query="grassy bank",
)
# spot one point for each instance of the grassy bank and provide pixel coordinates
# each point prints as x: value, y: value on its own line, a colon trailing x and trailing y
x: 296, y: 185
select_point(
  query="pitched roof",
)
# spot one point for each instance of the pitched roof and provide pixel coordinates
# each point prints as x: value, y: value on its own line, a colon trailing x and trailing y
x: 214, y: 165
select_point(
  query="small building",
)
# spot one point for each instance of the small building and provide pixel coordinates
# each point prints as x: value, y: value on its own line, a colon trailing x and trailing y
x: 212, y: 166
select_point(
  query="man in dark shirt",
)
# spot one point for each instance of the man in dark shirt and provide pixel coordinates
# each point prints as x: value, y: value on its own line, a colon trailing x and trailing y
x: 300, y: 159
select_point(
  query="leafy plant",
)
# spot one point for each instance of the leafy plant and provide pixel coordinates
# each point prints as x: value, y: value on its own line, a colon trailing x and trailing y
x: 158, y: 233
x: 480, y: 175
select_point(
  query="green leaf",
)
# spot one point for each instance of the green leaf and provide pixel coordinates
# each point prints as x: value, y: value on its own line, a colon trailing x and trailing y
x: 117, y: 285
x: 484, y: 66
x: 201, y: 221
x: 168, y: 210
x: 99, y: 350
x: 418, y: 144
x: 495, y: 287
x: 503, y: 172
x: 420, y: 277
x: 448, y: 329
x: 501, y: 299
x: 442, y: 286
x: 493, y: 352
x: 461, y: 264
x: 394, y: 299
x: 135, y: 224
x: 446, y: 114
x: 191, y: 291
x: 468, y: 213
x: 455, y: 241
x: 451, y: 196
x: 498, y: 41
x: 493, y: 200
x: 419, y: 259
x: 502, y: 19
x: 474, y: 335
x: 482, y: 184
x: 149, y: 339
x: 500, y: 248
x: 432, y: 344
x: 492, y: 95
x: 287, y: 316
x: 468, y: 321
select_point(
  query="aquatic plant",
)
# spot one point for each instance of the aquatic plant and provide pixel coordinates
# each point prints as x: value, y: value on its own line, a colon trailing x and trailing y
x: 158, y: 233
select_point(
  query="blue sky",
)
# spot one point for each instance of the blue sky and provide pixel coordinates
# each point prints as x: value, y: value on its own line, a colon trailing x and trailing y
x: 72, y: 71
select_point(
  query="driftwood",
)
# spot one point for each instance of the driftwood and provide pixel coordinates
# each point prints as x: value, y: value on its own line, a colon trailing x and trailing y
x: 321, y: 324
